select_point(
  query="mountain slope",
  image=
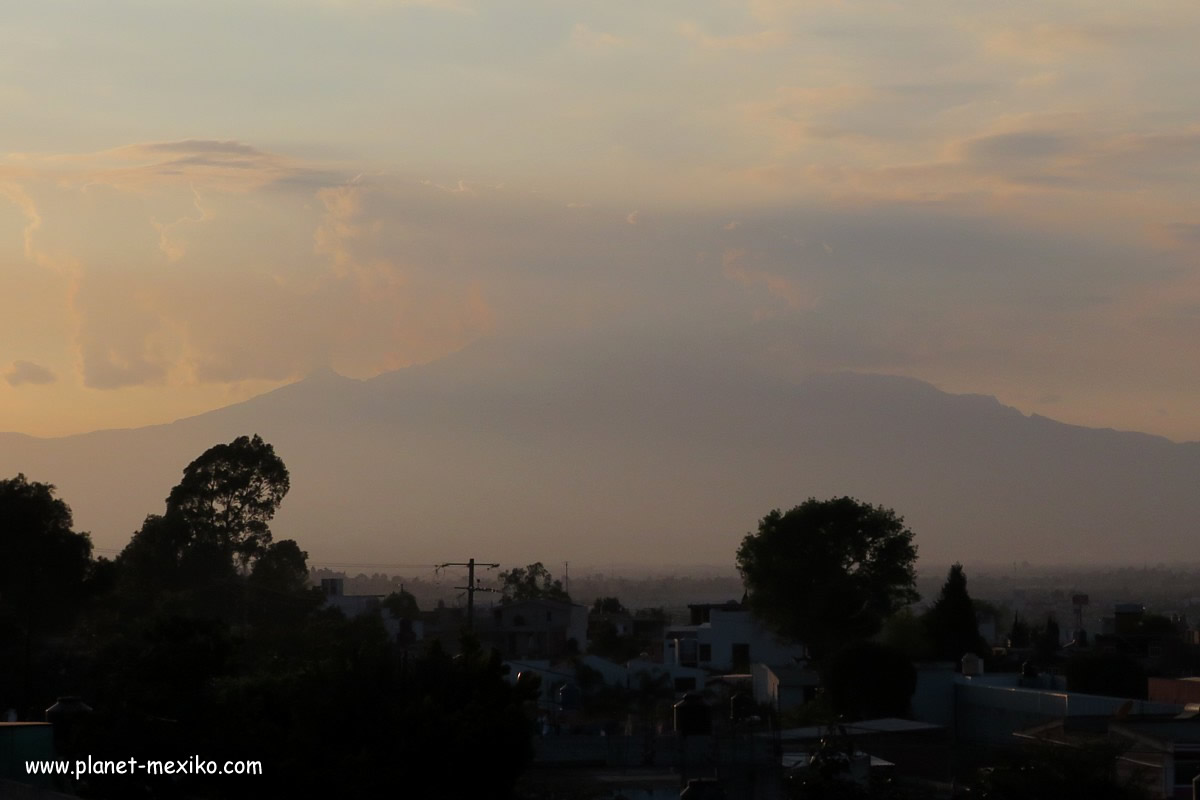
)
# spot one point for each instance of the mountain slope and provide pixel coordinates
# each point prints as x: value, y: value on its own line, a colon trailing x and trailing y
x: 604, y: 453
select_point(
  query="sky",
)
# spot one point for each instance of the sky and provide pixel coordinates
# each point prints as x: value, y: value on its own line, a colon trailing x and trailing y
x: 203, y: 201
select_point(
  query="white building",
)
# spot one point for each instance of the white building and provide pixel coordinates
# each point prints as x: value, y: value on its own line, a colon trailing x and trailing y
x: 723, y: 637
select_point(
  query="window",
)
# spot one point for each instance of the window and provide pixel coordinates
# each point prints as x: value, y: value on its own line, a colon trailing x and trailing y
x: 518, y: 621
x: 741, y: 655
x: 706, y: 652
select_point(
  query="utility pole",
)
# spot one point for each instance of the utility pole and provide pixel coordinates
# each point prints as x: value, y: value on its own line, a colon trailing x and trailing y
x: 470, y: 587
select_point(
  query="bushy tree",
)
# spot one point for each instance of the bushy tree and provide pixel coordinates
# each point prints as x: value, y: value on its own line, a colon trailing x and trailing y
x: 906, y: 632
x: 608, y: 605
x: 828, y: 572
x: 230, y: 493
x: 46, y: 571
x: 282, y: 567
x: 531, y: 583
x: 43, y: 562
x: 191, y: 559
x: 212, y: 643
x: 402, y: 605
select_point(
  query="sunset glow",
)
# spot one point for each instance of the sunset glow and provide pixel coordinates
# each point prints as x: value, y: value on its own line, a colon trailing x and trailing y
x: 203, y: 201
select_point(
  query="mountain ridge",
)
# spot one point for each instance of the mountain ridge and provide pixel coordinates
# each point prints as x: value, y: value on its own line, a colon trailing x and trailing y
x: 657, y: 456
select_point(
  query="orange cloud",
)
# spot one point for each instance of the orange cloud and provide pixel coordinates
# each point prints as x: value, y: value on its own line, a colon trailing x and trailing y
x: 736, y: 266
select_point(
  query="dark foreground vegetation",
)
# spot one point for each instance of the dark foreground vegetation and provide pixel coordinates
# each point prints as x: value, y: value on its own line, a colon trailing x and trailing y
x: 204, y: 638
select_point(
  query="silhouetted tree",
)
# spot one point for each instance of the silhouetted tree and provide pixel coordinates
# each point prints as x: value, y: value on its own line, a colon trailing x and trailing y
x: 1018, y: 634
x: 906, y: 632
x: 950, y: 623
x: 43, y: 562
x: 230, y: 493
x: 828, y: 572
x: 186, y: 561
x: 608, y: 605
x: 402, y: 605
x: 606, y: 642
x: 44, y: 572
x: 211, y: 642
x: 530, y: 583
x: 282, y: 567
x: 164, y: 569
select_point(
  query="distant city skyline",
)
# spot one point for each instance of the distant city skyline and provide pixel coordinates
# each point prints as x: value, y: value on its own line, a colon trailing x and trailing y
x: 200, y: 202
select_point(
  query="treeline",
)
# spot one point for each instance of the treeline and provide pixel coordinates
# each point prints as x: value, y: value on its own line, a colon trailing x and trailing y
x: 204, y: 638
x: 673, y: 592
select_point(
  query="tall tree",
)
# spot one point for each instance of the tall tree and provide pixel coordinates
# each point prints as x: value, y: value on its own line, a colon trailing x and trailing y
x: 216, y: 520
x: 828, y: 572
x: 230, y: 493
x: 950, y: 623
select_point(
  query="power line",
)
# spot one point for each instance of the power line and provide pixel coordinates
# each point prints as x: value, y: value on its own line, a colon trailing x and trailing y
x: 471, y: 587
x: 348, y: 564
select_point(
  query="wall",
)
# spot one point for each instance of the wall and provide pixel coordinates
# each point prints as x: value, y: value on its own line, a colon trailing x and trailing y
x: 723, y: 631
x: 991, y: 713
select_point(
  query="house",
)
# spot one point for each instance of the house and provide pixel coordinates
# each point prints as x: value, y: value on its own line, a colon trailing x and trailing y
x: 724, y: 637
x: 621, y: 635
x: 1158, y: 751
x: 1174, y: 744
x: 551, y: 678
x: 352, y: 605
x: 404, y: 631
x: 538, y: 629
x: 682, y: 679
x: 989, y: 709
x: 784, y: 687
x: 445, y: 625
